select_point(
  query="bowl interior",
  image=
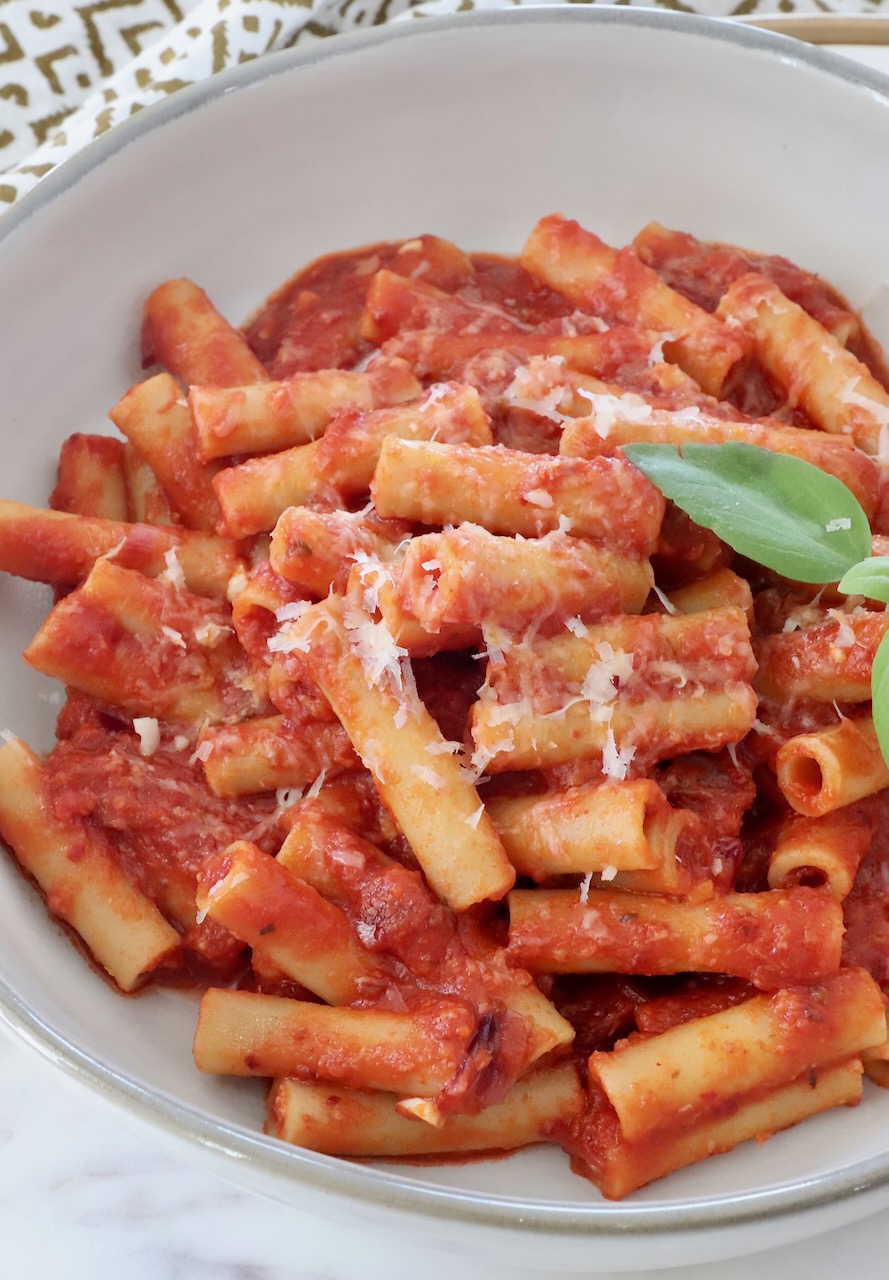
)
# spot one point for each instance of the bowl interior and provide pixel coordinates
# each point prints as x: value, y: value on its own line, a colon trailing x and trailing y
x: 471, y: 130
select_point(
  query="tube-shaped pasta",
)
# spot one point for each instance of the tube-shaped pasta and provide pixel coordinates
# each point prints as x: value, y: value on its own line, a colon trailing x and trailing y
x: 814, y: 370
x: 772, y: 939
x: 434, y: 354
x: 376, y: 587
x: 618, y: 1167
x: 268, y: 753
x: 655, y: 727
x: 591, y: 274
x: 717, y: 590
x: 265, y: 417
x: 351, y: 1122
x: 155, y: 418
x: 315, y: 550
x: 507, y: 491
x: 183, y: 331
x: 825, y: 770
x: 240, y: 1033
x: 766, y: 1042
x: 436, y: 806
x: 824, y: 850
x: 395, y: 302
x: 382, y: 895
x: 876, y: 1064
x: 673, y: 253
x: 591, y: 828
x: 83, y: 884
x: 146, y: 646
x: 627, y: 419
x: 60, y: 548
x: 308, y: 938
x: 464, y: 574
x: 654, y: 684
x: 147, y: 503
x: 91, y: 478
x: 828, y: 662
x: 341, y: 463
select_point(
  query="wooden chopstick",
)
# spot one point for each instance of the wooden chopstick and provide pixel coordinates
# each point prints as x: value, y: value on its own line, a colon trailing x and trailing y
x: 834, y: 28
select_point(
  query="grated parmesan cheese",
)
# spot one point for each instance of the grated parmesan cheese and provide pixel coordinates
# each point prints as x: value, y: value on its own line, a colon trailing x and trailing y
x: 475, y: 818
x: 665, y: 600
x: 846, y: 637
x: 366, y: 932
x: 149, y: 733
x: 585, y: 888
x: 286, y: 797
x: 606, y: 410
x: 616, y: 760
x: 175, y: 637
x: 841, y: 522
x: 290, y: 612
x: 202, y: 752
x: 604, y: 677
x: 315, y: 789
x: 425, y: 774
x: 539, y: 498
x: 849, y: 395
x: 173, y: 574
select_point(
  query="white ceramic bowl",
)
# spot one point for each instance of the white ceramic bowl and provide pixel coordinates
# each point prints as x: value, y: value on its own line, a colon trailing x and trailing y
x: 473, y: 129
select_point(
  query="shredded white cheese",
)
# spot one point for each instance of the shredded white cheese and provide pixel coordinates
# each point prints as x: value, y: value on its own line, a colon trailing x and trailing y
x: 841, y: 522
x: 315, y: 789
x: 286, y: 797
x: 149, y: 733
x: 425, y: 774
x: 616, y: 760
x: 202, y: 752
x: 604, y: 677
x: 539, y: 498
x: 475, y: 818
x: 665, y: 600
x: 173, y: 573
x: 175, y: 637
x: 585, y: 888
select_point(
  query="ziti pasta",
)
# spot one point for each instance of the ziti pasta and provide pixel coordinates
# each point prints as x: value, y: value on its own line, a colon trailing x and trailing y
x: 487, y: 798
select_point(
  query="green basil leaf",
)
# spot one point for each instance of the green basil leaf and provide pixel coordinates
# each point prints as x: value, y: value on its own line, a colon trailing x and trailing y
x: 869, y: 578
x: 777, y: 510
x: 879, y: 687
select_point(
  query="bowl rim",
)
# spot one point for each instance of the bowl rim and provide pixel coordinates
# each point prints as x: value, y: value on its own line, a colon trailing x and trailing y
x: 346, y: 1179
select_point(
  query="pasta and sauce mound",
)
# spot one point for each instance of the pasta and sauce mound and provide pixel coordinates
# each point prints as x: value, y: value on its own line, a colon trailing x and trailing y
x: 488, y: 799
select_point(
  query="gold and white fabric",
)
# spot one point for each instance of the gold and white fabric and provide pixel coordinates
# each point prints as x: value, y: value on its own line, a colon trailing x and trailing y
x: 70, y: 71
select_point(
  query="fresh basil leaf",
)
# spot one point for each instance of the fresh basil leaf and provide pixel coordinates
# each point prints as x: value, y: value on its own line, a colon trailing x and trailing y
x: 869, y: 578
x: 879, y: 687
x: 780, y: 511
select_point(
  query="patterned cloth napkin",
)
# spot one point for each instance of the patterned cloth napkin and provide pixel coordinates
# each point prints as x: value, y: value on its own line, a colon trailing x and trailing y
x: 70, y: 71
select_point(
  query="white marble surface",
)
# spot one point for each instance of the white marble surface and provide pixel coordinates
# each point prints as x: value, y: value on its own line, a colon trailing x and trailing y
x: 82, y: 1198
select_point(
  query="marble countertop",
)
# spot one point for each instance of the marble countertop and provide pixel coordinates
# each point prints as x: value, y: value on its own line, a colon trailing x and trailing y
x: 84, y: 1198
